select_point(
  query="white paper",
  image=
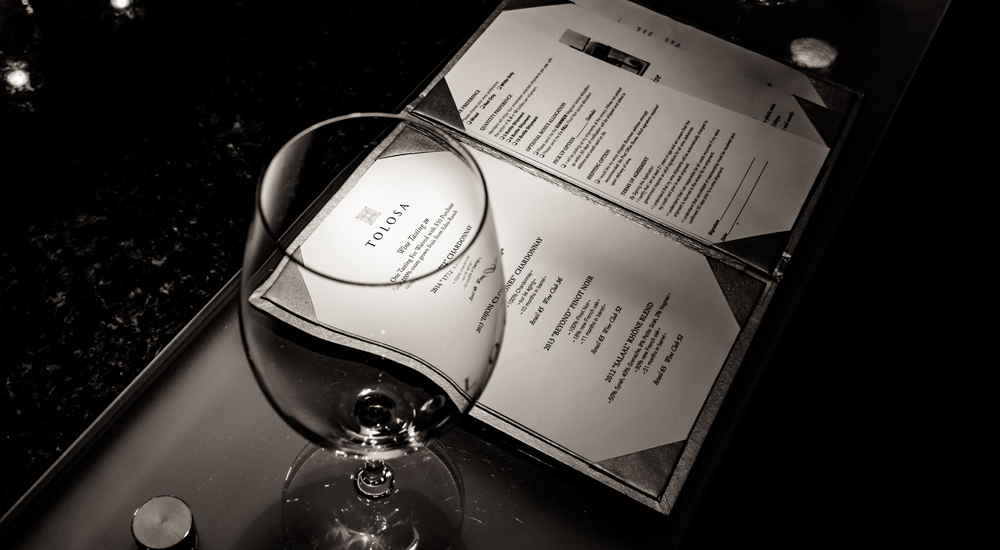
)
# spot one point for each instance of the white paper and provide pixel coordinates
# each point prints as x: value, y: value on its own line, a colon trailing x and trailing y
x: 699, y: 168
x: 607, y: 270
x: 671, y: 67
x: 419, y: 219
x: 718, y: 54
x: 585, y: 286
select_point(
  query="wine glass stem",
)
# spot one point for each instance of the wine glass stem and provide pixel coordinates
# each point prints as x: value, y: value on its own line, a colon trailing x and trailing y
x: 375, y: 479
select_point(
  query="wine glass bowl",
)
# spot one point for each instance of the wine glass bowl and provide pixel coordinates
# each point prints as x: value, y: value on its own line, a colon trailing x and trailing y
x: 369, y: 282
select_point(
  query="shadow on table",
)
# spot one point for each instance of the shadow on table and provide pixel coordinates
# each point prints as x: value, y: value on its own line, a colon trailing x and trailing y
x: 264, y: 533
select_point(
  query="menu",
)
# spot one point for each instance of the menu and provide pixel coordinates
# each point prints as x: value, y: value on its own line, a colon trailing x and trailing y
x: 717, y: 54
x: 631, y: 320
x: 617, y: 155
x: 716, y: 156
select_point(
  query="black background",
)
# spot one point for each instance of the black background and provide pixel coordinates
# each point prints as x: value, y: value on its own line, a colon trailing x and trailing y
x: 874, y: 426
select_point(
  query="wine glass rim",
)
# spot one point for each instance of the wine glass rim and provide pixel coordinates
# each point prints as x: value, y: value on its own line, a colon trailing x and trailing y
x: 402, y: 118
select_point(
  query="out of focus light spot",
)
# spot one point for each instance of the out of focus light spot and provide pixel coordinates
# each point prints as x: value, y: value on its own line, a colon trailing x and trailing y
x: 812, y: 53
x: 19, y: 79
x: 125, y: 8
x: 27, y: 7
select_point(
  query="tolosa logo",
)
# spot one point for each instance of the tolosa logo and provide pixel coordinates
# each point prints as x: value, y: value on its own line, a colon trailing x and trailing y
x: 369, y: 215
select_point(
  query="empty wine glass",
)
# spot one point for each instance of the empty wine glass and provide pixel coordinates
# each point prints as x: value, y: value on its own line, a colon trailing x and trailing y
x: 371, y: 310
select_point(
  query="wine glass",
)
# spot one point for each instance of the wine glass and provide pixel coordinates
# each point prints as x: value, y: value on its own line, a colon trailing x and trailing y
x: 372, y: 310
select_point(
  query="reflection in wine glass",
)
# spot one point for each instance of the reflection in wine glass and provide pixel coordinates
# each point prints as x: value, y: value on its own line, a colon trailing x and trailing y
x: 369, y: 313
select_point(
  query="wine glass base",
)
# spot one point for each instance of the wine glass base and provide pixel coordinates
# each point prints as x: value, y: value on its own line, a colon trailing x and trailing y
x: 322, y: 508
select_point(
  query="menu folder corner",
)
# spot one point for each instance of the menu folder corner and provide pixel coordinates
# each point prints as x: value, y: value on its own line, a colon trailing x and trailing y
x: 741, y: 290
x: 410, y: 142
x: 760, y: 251
x: 439, y: 104
x: 289, y: 290
x: 827, y: 122
x: 648, y: 470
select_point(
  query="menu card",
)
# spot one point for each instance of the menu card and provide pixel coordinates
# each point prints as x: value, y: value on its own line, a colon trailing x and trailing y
x: 618, y: 167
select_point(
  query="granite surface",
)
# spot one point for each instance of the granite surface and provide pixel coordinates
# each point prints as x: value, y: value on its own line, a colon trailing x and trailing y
x: 128, y: 161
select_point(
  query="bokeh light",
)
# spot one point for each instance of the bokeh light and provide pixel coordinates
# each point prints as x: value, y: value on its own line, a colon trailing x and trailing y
x: 19, y: 79
x: 812, y: 53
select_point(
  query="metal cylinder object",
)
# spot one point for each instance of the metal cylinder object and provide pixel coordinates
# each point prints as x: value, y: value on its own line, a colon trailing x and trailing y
x: 164, y: 523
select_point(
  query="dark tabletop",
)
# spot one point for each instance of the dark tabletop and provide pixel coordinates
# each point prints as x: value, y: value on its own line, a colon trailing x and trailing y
x: 129, y: 158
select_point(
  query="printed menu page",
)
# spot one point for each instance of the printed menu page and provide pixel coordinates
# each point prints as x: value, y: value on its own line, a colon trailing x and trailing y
x: 635, y: 52
x: 614, y: 334
x: 717, y: 54
x: 572, y: 102
x: 406, y: 217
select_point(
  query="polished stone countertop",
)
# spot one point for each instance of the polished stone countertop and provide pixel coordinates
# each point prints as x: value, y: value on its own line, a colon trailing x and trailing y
x: 130, y: 160
x: 131, y: 139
